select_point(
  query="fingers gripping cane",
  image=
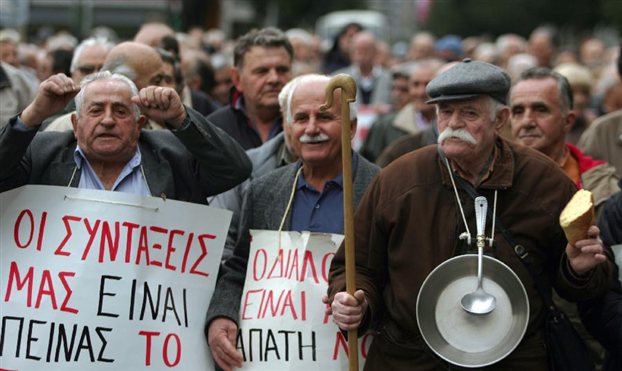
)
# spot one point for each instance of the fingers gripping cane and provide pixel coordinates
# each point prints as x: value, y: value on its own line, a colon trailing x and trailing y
x: 348, y: 94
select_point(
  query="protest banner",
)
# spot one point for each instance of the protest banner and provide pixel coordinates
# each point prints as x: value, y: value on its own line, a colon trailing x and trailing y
x: 283, y: 325
x: 105, y: 280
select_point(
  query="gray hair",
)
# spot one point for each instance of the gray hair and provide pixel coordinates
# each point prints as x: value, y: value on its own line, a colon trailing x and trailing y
x: 269, y: 37
x: 564, y: 90
x: 494, y: 106
x: 105, y: 75
x: 91, y: 42
x: 287, y: 93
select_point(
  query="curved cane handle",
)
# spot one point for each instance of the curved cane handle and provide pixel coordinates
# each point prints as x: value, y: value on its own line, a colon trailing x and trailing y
x: 348, y: 89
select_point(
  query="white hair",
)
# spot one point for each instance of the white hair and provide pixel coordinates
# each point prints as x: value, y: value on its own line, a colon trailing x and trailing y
x: 105, y: 75
x: 494, y: 106
x: 91, y: 42
x: 284, y: 97
x: 287, y: 93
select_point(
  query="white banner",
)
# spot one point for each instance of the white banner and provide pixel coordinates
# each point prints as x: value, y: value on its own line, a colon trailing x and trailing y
x: 283, y: 325
x: 105, y: 280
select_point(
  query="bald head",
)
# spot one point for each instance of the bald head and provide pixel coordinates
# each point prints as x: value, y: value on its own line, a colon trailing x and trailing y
x: 139, y: 62
x: 151, y: 33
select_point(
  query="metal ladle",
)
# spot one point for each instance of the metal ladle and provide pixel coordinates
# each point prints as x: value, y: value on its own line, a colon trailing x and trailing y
x: 479, y: 301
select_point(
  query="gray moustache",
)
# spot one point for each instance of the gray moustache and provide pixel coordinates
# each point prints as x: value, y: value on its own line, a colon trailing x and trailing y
x: 307, y: 139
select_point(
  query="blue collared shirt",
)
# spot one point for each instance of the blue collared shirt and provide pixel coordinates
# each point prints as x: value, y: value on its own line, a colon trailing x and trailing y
x: 319, y: 211
x: 130, y: 180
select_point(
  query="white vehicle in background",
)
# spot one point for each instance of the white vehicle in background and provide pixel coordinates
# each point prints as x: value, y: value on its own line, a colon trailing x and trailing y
x: 329, y: 25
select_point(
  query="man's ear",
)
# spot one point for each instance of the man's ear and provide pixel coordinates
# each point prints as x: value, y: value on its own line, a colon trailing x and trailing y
x: 501, y: 118
x: 569, y: 120
x: 353, y: 126
x: 74, y: 123
x: 235, y: 77
x: 142, y: 121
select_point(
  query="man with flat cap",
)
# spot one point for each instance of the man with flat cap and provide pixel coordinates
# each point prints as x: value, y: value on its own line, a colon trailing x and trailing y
x: 413, y: 215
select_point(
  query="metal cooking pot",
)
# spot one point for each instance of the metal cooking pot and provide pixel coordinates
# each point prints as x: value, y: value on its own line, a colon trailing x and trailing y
x: 462, y: 338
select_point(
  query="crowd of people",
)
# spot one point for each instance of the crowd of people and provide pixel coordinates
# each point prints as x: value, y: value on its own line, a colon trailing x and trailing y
x: 238, y: 124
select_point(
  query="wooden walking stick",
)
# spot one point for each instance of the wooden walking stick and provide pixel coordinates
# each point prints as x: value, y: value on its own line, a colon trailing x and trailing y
x: 348, y: 94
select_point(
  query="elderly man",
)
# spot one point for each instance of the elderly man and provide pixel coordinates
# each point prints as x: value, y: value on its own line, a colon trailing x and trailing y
x: 318, y: 181
x: 107, y: 149
x: 89, y: 57
x: 542, y: 115
x: 373, y: 82
x: 263, y: 62
x: 409, y: 222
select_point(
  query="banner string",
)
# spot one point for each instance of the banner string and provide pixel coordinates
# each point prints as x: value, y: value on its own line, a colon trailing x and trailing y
x: 154, y: 209
x: 289, y: 203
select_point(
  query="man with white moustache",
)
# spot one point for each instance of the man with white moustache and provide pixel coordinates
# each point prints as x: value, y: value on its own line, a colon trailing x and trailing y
x: 414, y: 212
x: 315, y: 185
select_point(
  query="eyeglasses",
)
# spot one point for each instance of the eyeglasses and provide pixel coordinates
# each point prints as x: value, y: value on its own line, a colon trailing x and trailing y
x: 88, y: 69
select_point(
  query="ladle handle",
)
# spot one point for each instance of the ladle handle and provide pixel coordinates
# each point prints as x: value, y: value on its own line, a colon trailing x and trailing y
x: 481, y: 206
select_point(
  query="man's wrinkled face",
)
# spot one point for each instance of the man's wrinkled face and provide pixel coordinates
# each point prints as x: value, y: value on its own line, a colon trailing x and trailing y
x: 107, y: 129
x: 316, y: 134
x: 262, y: 76
x: 536, y: 115
x: 472, y: 126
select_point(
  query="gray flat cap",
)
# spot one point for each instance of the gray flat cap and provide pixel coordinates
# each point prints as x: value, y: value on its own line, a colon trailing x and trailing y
x: 469, y: 79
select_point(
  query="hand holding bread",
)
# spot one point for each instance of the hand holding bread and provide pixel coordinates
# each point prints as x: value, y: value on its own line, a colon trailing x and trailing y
x: 578, y: 216
x: 585, y: 249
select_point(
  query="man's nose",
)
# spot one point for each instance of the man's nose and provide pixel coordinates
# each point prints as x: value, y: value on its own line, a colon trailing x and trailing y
x: 455, y: 121
x: 273, y: 75
x: 527, y: 119
x: 107, y: 119
x: 312, y: 126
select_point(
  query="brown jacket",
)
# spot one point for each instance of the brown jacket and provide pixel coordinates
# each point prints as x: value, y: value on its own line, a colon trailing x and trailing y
x: 408, y: 223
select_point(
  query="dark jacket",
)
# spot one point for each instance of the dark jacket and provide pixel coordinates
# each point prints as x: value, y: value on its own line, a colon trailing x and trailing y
x: 408, y: 223
x: 264, y: 158
x: 187, y: 165
x: 234, y: 122
x: 263, y: 208
x: 602, y: 317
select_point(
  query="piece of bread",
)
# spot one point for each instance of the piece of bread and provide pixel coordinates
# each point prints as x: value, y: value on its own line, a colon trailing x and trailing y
x: 578, y: 216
